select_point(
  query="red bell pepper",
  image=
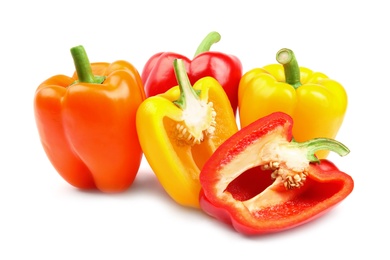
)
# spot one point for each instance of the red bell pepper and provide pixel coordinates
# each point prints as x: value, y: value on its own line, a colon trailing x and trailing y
x: 261, y: 181
x: 158, y: 75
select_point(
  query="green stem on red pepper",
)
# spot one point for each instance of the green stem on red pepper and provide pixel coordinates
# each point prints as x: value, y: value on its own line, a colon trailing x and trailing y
x: 83, y: 66
x: 318, y: 144
x: 287, y: 58
x: 207, y: 42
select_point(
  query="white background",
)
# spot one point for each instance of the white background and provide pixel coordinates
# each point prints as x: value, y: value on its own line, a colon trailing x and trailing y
x: 42, y: 216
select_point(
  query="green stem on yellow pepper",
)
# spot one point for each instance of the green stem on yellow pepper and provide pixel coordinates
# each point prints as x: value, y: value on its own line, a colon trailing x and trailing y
x: 187, y: 92
x: 317, y: 144
x: 207, y: 42
x: 198, y: 116
x: 287, y: 58
x: 83, y: 66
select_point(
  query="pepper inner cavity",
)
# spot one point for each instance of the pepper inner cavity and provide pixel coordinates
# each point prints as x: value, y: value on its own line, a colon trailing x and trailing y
x: 256, y: 180
x: 250, y: 183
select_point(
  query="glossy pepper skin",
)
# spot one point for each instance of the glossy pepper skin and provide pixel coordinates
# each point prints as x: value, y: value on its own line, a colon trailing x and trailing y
x: 260, y: 181
x: 86, y: 123
x: 158, y: 75
x: 180, y: 129
x: 316, y: 103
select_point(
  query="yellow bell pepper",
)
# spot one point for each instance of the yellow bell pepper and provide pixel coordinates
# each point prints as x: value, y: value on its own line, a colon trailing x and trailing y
x: 316, y: 103
x: 179, y: 130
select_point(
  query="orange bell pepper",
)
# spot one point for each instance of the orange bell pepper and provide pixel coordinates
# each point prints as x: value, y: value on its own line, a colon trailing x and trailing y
x: 86, y: 123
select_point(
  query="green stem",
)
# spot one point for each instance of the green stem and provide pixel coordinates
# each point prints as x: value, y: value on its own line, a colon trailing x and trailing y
x: 187, y: 92
x: 207, y: 42
x: 83, y: 66
x: 287, y: 58
x: 318, y: 144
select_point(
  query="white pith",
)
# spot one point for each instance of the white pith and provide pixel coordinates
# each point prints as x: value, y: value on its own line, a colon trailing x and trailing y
x: 198, y: 121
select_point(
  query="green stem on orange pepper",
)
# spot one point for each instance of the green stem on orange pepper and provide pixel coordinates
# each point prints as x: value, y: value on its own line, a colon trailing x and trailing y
x: 83, y: 66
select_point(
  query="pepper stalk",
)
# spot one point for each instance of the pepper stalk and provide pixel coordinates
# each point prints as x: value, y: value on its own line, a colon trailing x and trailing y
x: 289, y: 161
x: 83, y: 66
x: 207, y: 42
x: 286, y: 57
x: 198, y: 115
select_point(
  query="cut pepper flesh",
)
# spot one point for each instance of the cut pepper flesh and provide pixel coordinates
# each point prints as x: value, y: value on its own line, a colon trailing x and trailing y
x: 260, y: 180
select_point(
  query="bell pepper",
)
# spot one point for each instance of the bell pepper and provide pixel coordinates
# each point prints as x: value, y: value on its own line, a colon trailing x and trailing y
x: 180, y: 129
x: 158, y: 75
x: 260, y: 180
x: 316, y: 103
x: 86, y: 123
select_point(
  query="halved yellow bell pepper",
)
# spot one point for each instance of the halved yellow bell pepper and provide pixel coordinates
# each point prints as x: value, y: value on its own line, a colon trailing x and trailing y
x: 316, y: 103
x: 180, y: 129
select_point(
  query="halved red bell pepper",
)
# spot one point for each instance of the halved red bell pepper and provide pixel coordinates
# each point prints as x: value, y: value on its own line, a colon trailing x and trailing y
x: 261, y: 181
x: 158, y: 75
